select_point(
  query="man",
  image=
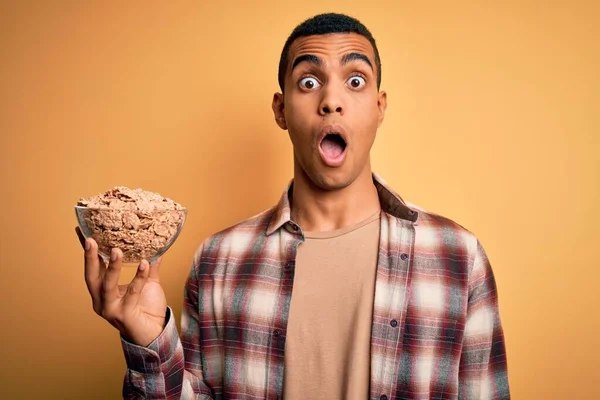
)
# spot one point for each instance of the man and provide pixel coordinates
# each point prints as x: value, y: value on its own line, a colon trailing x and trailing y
x: 342, y: 290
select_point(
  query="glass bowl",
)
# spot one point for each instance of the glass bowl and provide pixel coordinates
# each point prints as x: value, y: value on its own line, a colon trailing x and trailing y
x: 139, y: 235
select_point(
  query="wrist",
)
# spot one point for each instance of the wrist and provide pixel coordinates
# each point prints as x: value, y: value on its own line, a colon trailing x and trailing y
x: 153, y: 328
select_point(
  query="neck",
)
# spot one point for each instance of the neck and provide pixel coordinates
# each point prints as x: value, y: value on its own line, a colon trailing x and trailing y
x: 319, y: 210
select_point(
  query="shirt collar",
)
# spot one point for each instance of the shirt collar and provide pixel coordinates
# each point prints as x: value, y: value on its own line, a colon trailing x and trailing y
x: 390, y: 201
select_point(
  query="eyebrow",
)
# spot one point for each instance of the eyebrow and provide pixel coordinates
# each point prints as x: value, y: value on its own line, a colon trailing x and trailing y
x: 356, y: 56
x: 310, y: 58
x: 347, y: 58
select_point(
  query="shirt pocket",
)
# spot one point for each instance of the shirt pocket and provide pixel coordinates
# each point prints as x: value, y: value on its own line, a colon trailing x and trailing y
x: 430, y: 330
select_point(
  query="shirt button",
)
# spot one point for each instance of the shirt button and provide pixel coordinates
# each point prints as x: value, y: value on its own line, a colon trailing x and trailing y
x: 149, y: 360
x: 394, y: 323
x: 383, y: 397
x: 289, y: 264
x: 276, y: 332
x: 404, y: 256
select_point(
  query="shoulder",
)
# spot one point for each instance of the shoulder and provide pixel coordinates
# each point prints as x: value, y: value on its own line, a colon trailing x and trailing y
x: 434, y: 231
x: 236, y: 238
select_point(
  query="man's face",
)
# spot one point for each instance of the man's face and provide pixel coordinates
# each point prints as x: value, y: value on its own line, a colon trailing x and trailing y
x: 331, y: 107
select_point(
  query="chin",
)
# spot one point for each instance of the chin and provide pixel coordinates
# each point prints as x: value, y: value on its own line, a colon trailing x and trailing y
x: 331, y: 180
x: 326, y: 178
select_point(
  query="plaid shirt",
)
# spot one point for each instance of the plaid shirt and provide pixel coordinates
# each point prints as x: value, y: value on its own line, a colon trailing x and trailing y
x: 436, y: 331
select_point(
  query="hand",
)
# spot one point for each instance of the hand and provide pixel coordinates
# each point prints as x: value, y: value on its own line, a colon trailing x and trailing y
x: 138, y: 309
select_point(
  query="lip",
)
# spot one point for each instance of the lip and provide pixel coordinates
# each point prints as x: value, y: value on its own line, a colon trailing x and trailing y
x: 339, y: 160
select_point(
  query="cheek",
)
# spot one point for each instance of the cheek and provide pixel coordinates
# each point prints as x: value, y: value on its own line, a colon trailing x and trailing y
x: 299, y: 109
x: 299, y: 120
x: 367, y: 113
x: 300, y: 137
x: 367, y: 124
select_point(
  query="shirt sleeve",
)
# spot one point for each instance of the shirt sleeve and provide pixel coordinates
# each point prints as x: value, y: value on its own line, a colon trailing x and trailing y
x: 169, y: 367
x: 483, y: 370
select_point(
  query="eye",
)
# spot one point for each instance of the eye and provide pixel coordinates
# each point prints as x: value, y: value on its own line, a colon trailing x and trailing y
x: 309, y: 83
x: 356, y: 82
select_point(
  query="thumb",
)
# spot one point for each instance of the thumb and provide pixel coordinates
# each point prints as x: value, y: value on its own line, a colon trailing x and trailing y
x: 154, y: 270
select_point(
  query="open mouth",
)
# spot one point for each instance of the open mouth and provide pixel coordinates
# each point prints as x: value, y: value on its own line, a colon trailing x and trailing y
x: 333, y: 145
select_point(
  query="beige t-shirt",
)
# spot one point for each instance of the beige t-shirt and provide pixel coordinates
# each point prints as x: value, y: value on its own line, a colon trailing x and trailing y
x: 327, y: 354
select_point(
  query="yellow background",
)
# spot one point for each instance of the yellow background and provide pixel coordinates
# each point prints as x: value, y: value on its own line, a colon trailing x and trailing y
x: 493, y: 121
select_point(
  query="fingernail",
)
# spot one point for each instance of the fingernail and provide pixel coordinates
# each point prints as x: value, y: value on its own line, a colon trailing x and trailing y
x: 88, y: 245
x: 113, y: 255
x: 143, y: 265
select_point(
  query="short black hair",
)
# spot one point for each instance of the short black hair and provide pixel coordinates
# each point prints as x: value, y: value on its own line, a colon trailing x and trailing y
x: 323, y: 24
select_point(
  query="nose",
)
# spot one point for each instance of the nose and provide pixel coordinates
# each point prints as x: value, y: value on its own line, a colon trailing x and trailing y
x: 331, y: 102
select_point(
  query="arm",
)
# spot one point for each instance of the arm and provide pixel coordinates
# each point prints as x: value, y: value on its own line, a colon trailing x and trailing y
x: 483, y: 366
x: 169, y: 367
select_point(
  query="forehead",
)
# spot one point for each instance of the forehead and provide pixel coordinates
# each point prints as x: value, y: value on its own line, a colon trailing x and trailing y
x: 332, y: 45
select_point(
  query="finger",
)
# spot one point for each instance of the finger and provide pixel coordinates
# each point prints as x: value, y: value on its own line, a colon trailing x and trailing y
x: 85, y: 242
x: 154, y: 270
x: 110, y: 291
x: 94, y: 266
x: 93, y: 272
x: 81, y: 237
x: 137, y: 284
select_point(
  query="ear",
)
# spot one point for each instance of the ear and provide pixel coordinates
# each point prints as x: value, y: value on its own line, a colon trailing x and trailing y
x: 381, y: 105
x: 278, y: 108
